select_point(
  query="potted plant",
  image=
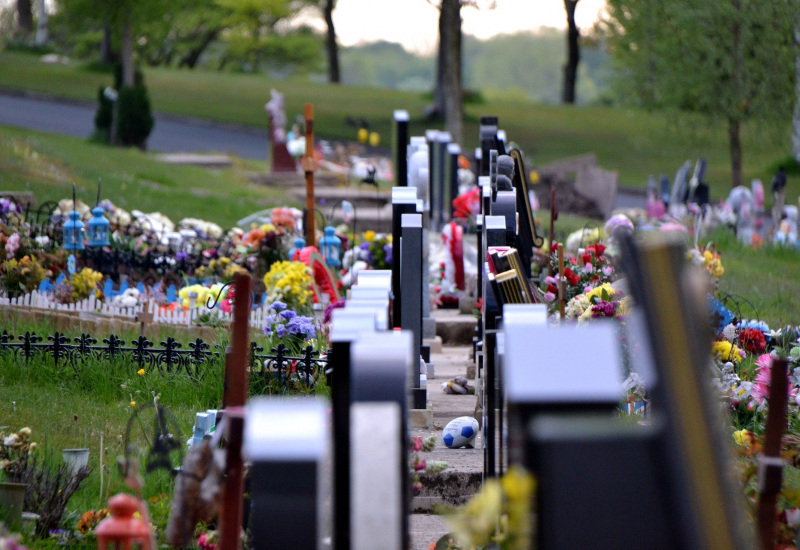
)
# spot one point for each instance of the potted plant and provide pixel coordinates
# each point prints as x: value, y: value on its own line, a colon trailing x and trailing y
x: 15, y: 452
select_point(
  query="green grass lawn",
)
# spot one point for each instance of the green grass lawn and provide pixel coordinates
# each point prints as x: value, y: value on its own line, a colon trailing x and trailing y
x: 47, y: 165
x: 632, y: 142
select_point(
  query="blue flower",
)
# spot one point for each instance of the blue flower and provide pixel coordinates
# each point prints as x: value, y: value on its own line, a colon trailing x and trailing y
x: 280, y: 330
x: 277, y: 305
x: 288, y: 314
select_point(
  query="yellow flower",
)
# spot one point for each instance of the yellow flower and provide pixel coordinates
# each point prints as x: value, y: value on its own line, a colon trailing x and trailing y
x: 598, y: 291
x: 140, y: 372
x: 725, y: 351
x: 740, y: 437
x: 133, y: 404
x: 369, y: 235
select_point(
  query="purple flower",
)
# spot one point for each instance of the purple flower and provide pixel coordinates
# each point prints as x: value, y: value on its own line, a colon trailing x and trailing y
x: 326, y: 318
x: 302, y: 326
x: 388, y: 250
x: 181, y: 256
x: 277, y: 305
x: 288, y: 314
x: 280, y: 330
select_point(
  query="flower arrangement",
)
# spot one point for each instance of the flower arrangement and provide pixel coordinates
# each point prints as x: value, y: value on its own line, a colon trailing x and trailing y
x: 289, y: 283
x: 418, y: 465
x: 15, y: 452
x: 496, y: 517
x: 707, y: 259
x: 220, y: 268
x: 588, y: 291
x: 10, y: 541
x: 283, y: 324
x: 89, y: 520
x: 20, y: 277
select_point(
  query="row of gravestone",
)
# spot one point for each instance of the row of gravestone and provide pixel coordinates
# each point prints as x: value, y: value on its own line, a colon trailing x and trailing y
x: 662, y: 483
x: 377, y: 366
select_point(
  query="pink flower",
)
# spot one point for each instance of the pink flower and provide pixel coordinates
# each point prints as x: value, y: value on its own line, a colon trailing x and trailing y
x: 764, y: 360
x: 587, y: 268
x: 587, y: 289
x: 420, y: 465
x: 608, y: 270
x: 550, y: 280
x: 549, y: 296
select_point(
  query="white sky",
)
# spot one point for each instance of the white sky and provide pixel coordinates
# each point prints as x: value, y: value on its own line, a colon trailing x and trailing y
x: 414, y: 23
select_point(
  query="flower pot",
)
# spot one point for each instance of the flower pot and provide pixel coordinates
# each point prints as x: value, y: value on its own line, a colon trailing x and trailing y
x: 75, y: 459
x: 12, y: 498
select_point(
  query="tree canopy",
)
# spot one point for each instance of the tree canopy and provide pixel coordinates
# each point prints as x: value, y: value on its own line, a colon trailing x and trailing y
x: 730, y: 61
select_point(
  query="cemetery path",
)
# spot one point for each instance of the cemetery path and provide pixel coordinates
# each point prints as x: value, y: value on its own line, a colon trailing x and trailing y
x: 170, y: 134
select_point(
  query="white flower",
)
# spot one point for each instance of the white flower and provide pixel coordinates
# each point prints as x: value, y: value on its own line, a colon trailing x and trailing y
x: 729, y: 332
x: 25, y: 431
x: 11, y: 441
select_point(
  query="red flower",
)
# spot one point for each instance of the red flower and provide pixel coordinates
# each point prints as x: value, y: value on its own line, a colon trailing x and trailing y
x: 571, y: 277
x: 599, y: 248
x: 753, y: 341
x: 587, y: 258
x: 554, y: 247
x: 553, y: 289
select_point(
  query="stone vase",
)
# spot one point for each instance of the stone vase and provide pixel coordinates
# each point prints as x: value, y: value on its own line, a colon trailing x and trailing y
x: 12, y: 499
x: 75, y: 459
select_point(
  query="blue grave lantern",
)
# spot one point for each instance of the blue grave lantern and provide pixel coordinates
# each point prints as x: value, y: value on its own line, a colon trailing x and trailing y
x: 99, y: 226
x: 299, y: 244
x: 331, y: 246
x: 73, y: 228
x: 73, y: 232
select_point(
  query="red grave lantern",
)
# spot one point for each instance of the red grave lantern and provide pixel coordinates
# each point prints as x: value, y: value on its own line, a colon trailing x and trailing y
x: 123, y: 530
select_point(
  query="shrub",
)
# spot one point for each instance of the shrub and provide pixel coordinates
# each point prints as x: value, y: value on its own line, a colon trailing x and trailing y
x: 103, y: 117
x: 134, y: 116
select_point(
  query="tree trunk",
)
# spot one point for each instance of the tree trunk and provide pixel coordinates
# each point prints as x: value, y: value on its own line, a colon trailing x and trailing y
x: 735, y: 143
x: 450, y: 67
x: 330, y: 44
x: 796, y: 114
x: 573, y: 54
x: 106, y: 50
x: 24, y: 18
x: 437, y: 111
x: 193, y: 56
x: 127, y: 55
x: 41, y: 25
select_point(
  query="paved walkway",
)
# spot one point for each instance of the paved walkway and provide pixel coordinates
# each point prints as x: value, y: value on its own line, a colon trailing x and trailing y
x: 426, y: 528
x: 170, y: 134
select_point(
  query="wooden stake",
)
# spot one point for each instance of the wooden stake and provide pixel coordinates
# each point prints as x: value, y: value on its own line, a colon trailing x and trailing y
x: 562, y: 281
x: 309, y: 164
x: 235, y: 396
x: 770, y: 463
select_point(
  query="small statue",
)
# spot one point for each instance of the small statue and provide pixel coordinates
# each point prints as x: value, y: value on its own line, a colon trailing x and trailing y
x: 277, y: 116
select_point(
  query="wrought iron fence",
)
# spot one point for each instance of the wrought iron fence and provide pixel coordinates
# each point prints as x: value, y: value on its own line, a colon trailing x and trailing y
x: 172, y: 357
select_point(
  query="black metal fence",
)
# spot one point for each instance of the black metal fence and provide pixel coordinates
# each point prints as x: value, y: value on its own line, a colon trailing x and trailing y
x: 171, y: 357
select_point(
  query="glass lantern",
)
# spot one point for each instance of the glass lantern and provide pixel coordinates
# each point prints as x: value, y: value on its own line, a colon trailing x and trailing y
x: 331, y: 246
x: 73, y: 232
x: 99, y: 228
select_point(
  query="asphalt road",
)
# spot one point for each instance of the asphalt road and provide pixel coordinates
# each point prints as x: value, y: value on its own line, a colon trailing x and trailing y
x: 169, y: 135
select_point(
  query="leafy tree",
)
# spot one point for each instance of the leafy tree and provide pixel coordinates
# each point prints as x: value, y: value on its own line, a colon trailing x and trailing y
x: 181, y: 36
x: 124, y: 18
x: 730, y: 61
x: 254, y: 32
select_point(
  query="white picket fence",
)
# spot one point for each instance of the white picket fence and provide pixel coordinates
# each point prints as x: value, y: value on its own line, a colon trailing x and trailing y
x: 179, y: 316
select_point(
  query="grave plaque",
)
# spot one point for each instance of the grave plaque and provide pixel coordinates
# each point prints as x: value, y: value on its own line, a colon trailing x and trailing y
x: 412, y: 273
x: 400, y: 147
x: 379, y: 436
x: 287, y: 441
